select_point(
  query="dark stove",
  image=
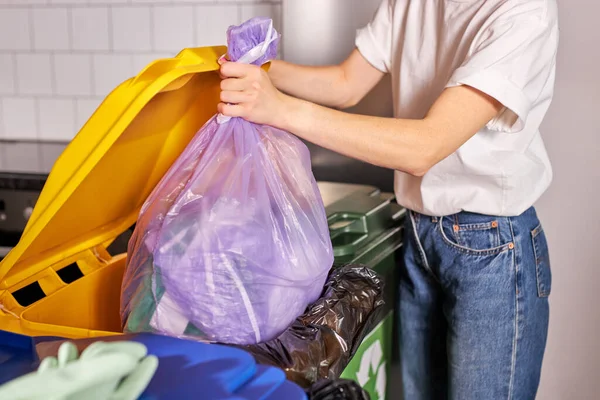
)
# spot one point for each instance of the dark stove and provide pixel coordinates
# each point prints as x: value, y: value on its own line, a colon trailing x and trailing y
x: 24, y: 169
x: 18, y: 195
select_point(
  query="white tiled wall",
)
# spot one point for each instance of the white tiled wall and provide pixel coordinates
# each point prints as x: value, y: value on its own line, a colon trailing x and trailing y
x: 60, y: 58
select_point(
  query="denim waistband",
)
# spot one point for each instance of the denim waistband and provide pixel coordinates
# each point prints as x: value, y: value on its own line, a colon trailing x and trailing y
x: 465, y: 217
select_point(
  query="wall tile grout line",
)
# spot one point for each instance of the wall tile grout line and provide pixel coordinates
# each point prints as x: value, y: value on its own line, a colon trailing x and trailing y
x: 40, y: 157
x: 92, y: 76
x: 31, y: 30
x: 194, y: 25
x: 76, y: 126
x: 46, y: 96
x: 15, y: 75
x: 70, y: 31
x: 37, y: 116
x: 111, y: 36
x: 152, y: 13
x: 53, y: 73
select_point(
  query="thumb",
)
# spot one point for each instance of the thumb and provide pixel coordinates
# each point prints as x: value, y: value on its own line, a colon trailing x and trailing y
x: 222, y: 60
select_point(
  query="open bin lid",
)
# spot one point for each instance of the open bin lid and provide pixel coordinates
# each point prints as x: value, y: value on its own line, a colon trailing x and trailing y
x: 100, y: 182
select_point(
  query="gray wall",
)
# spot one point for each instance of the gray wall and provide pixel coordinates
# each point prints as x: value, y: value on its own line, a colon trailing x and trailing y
x: 569, y: 209
x: 330, y: 39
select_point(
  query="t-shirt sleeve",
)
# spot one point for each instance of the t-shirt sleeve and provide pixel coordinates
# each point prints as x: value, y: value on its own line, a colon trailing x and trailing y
x: 374, y: 41
x: 512, y: 60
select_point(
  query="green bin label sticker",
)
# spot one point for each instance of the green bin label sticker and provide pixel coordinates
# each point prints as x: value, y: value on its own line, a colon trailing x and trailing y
x: 370, y: 365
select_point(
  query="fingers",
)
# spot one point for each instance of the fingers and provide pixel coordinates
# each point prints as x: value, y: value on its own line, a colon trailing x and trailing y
x: 237, y: 70
x: 233, y: 85
x: 67, y: 353
x: 236, y: 97
x: 240, y: 89
x: 48, y: 364
x: 232, y: 110
x: 96, y: 349
x: 222, y: 60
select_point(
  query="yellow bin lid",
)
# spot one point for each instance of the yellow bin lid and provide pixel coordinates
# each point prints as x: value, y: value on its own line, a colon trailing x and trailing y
x: 98, y: 185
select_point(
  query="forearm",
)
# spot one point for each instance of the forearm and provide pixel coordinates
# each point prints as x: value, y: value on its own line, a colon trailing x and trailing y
x: 322, y: 85
x: 404, y: 145
x: 409, y: 145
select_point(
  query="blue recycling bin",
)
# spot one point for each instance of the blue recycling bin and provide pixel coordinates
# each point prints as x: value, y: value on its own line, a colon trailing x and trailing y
x: 186, y: 370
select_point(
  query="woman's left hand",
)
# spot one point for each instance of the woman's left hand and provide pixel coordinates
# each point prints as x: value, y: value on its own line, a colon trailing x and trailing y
x: 247, y: 92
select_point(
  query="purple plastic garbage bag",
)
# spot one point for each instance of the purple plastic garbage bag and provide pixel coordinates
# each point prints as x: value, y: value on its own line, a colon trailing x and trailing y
x: 233, y: 243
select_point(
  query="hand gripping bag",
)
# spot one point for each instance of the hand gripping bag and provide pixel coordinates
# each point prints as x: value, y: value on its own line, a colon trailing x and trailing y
x: 233, y: 243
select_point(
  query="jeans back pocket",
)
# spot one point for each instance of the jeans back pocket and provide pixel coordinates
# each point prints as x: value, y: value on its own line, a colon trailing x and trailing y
x: 542, y: 261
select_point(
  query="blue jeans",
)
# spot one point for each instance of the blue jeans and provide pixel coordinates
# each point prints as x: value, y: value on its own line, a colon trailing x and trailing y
x: 473, y: 306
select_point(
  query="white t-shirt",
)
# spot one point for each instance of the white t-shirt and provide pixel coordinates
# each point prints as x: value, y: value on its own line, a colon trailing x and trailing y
x: 504, y: 48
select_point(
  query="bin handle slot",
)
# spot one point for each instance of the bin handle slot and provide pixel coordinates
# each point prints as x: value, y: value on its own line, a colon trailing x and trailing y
x: 29, y: 294
x: 70, y: 273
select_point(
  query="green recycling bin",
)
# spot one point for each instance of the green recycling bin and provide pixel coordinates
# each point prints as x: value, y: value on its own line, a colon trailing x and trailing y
x: 366, y: 228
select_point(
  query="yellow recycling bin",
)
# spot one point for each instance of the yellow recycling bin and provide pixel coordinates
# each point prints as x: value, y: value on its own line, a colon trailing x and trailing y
x: 95, y: 192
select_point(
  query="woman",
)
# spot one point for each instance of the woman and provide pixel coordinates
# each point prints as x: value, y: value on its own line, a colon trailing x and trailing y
x: 472, y: 81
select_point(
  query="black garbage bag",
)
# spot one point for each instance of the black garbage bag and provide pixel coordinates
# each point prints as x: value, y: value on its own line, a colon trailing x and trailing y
x: 320, y: 343
x: 340, y: 389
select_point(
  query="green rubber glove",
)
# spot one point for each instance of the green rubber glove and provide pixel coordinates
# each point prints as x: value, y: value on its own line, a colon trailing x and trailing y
x: 104, y: 371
